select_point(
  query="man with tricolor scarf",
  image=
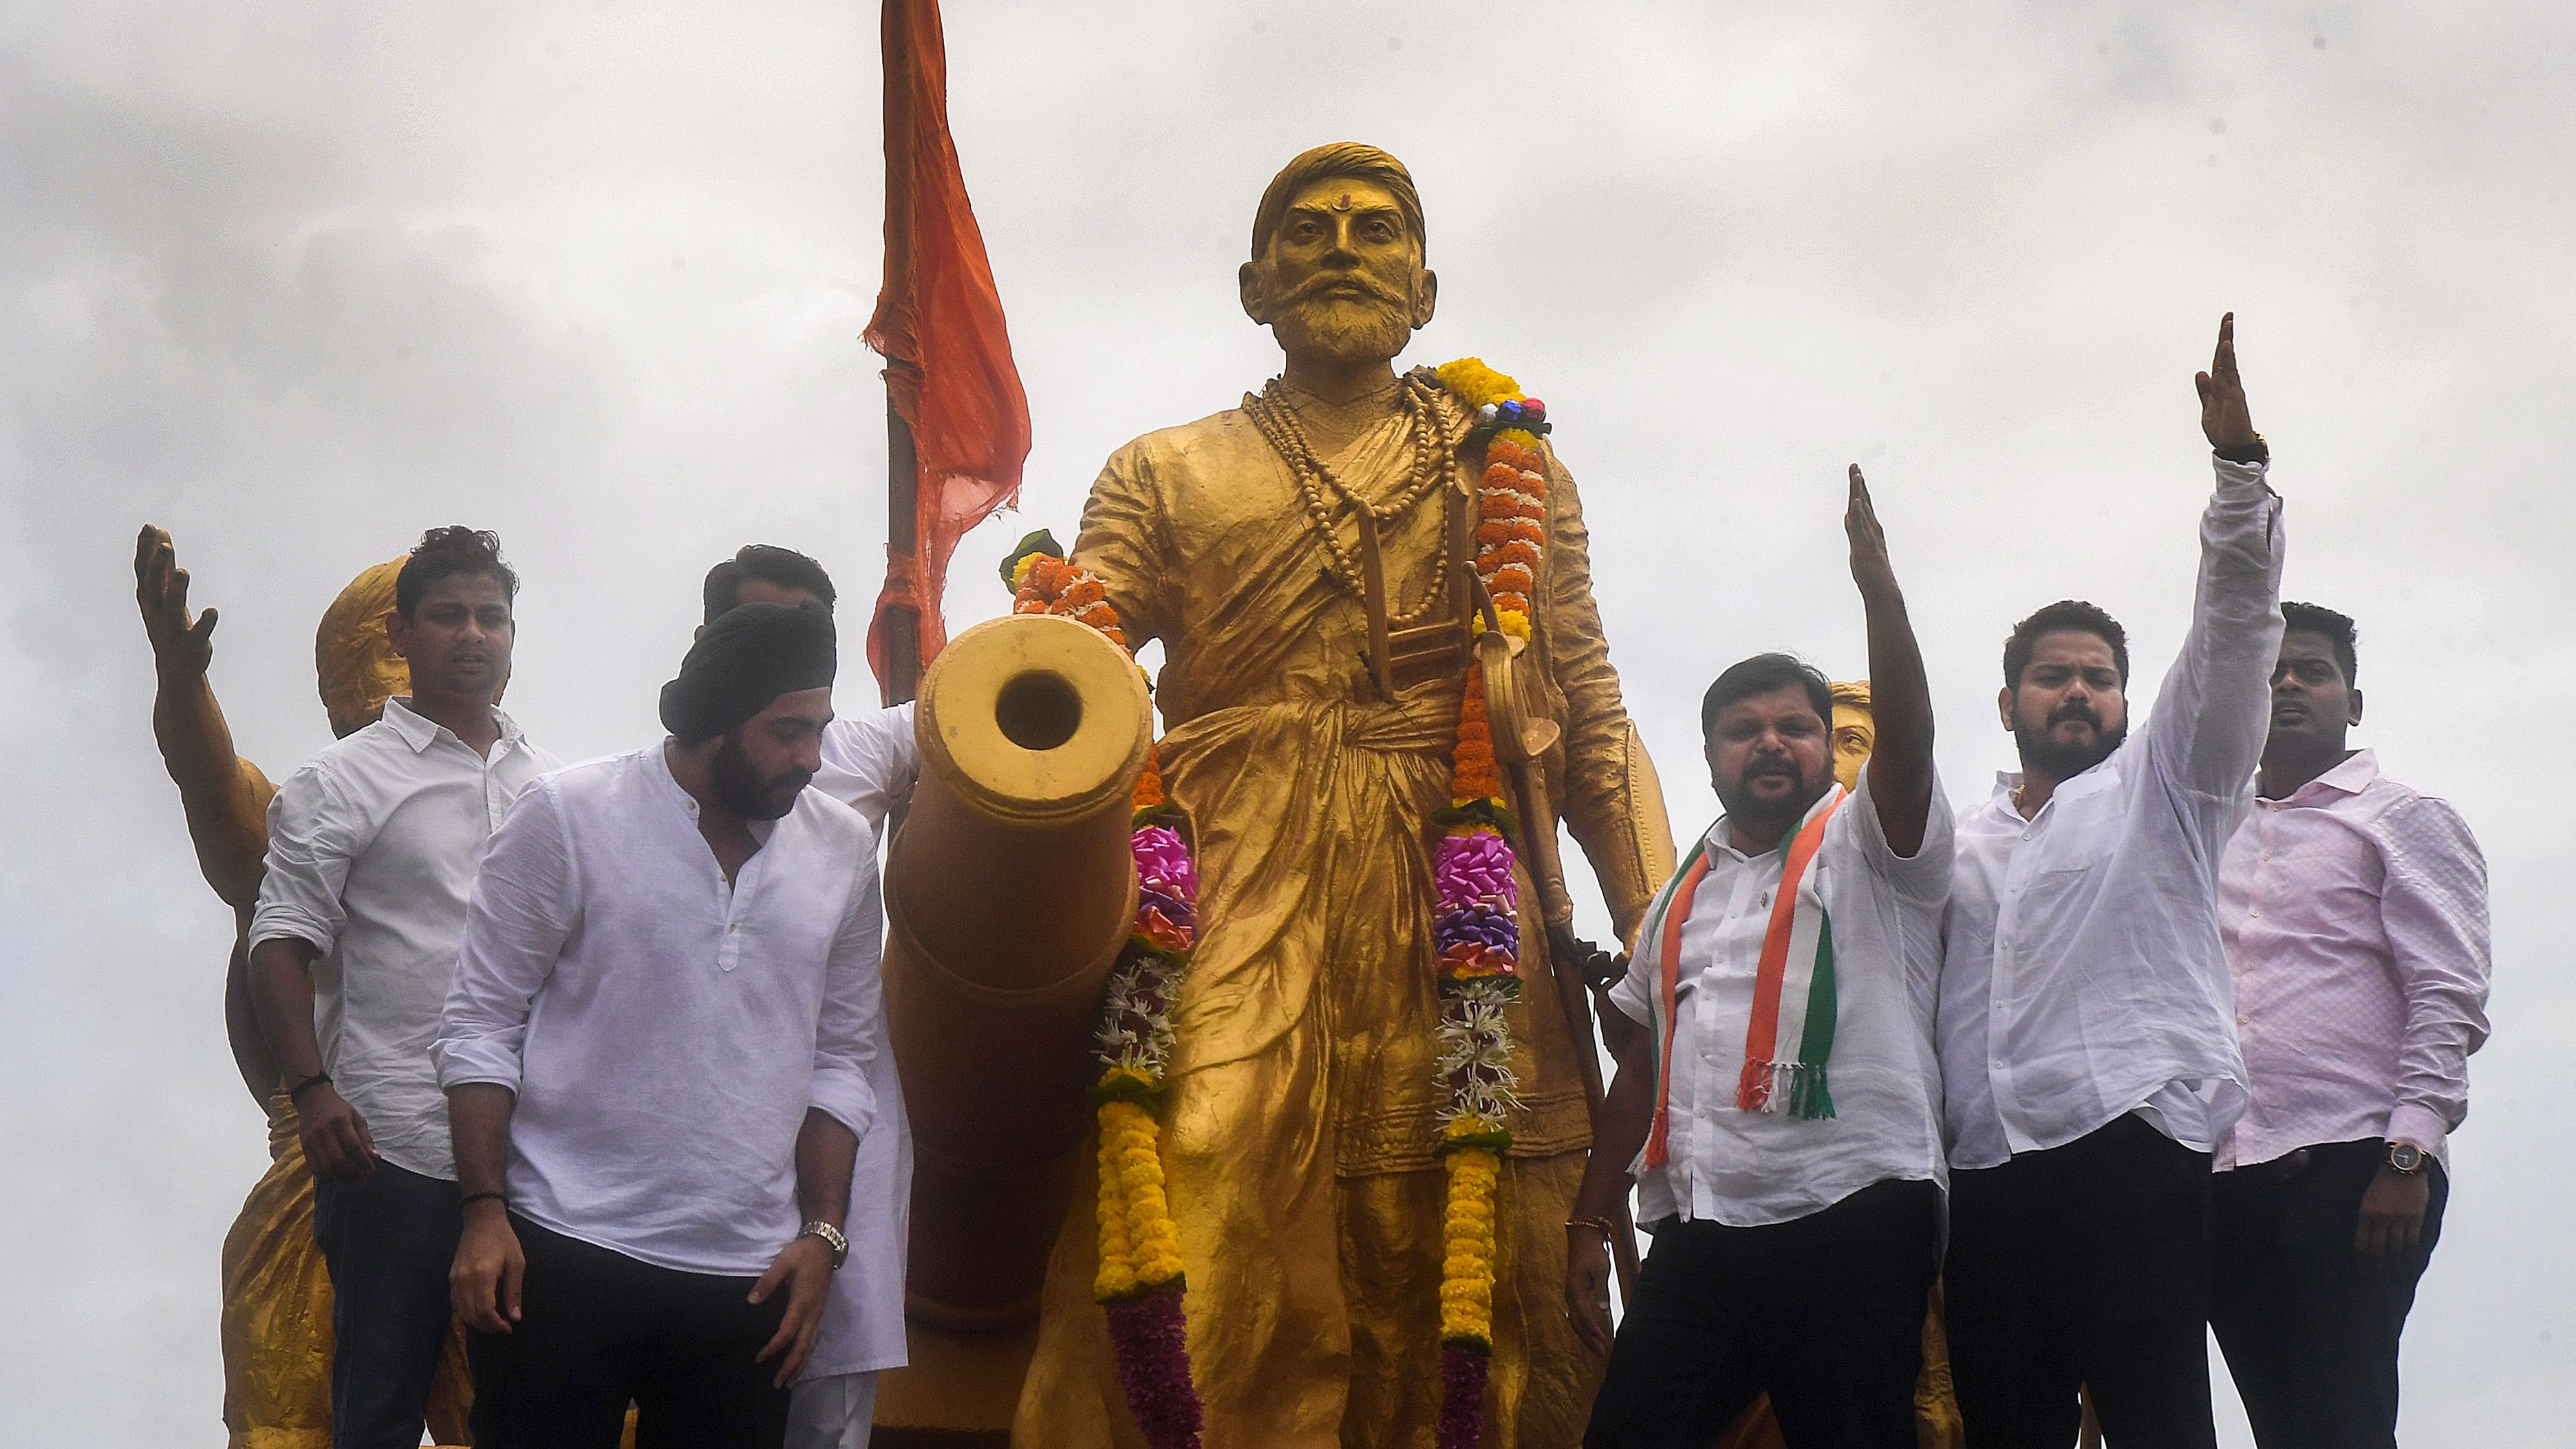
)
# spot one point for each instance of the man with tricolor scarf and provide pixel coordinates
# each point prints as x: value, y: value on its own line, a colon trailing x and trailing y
x: 1780, y: 1112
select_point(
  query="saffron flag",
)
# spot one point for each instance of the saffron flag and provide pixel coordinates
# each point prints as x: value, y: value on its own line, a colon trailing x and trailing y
x: 938, y: 324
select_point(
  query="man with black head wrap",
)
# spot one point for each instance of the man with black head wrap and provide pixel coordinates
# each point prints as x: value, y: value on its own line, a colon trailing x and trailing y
x: 656, y: 1056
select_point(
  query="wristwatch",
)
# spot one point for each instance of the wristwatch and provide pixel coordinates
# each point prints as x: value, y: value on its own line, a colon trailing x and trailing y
x: 2405, y: 1158
x: 832, y: 1238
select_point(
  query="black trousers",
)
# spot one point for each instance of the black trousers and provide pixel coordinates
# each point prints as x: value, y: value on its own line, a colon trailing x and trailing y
x: 2086, y: 1264
x: 1824, y: 1313
x: 388, y: 1241
x: 2309, y: 1332
x: 598, y: 1328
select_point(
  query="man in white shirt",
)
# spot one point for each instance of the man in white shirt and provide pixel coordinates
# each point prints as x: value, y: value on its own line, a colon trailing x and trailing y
x: 1784, y: 1092
x: 869, y: 763
x: 656, y: 1055
x: 372, y: 848
x: 2088, y: 1045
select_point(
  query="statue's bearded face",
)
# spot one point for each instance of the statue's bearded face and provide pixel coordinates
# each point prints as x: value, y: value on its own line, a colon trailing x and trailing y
x: 1343, y: 277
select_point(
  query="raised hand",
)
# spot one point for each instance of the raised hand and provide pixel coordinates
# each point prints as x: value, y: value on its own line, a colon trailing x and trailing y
x: 2223, y: 417
x: 1869, y: 565
x: 180, y: 646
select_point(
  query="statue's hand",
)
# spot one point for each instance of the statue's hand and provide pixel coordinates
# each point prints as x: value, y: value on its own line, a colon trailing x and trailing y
x: 1599, y: 969
x: 2224, y: 419
x: 182, y: 648
x: 1587, y: 1285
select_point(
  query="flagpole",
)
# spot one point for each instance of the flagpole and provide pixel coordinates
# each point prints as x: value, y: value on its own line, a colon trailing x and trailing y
x: 903, y: 539
x: 903, y: 464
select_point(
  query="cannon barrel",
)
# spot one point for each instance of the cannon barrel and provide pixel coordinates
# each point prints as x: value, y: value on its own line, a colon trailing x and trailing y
x: 1010, y: 890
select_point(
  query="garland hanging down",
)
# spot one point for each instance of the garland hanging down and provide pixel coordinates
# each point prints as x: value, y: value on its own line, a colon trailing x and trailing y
x: 1475, y: 927
x: 1139, y: 1284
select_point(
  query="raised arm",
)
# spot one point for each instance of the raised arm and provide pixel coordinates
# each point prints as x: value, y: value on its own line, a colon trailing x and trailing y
x: 1900, y: 767
x: 2211, y: 717
x: 224, y: 795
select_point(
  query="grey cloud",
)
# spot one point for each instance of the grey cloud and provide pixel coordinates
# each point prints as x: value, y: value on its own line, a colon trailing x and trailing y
x: 302, y: 280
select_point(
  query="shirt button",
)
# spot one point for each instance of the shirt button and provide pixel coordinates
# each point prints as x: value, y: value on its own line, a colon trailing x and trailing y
x: 729, y: 927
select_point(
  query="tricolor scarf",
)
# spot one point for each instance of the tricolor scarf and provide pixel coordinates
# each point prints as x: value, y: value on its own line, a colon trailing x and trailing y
x: 1790, y: 1035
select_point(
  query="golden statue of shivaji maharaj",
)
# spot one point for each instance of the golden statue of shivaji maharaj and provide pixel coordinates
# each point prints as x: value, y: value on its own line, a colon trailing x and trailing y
x: 1320, y: 565
x: 276, y: 1316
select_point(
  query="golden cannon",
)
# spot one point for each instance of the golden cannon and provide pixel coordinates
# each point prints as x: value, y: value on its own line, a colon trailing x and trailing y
x: 1010, y: 890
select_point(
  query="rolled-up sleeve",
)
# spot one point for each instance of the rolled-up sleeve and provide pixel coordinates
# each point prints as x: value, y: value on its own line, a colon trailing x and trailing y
x: 313, y: 833
x: 2433, y: 907
x: 846, y: 1036
x: 522, y: 909
x: 2214, y: 711
x: 1924, y: 876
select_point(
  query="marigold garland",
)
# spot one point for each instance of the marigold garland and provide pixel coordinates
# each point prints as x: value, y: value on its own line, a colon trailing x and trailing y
x: 1139, y: 1283
x: 1476, y: 924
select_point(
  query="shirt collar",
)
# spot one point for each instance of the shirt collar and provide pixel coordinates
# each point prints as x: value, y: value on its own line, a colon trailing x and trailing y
x: 2349, y: 778
x: 420, y: 732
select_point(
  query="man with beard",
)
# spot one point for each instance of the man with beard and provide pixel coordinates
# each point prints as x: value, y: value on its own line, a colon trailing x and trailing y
x: 656, y: 1055
x: 2088, y: 1048
x: 1784, y: 1103
x: 868, y: 762
x: 371, y: 851
x: 1310, y: 564
x: 2355, y: 915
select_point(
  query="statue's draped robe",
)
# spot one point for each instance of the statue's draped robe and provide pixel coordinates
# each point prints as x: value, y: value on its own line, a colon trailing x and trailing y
x: 1300, y: 1135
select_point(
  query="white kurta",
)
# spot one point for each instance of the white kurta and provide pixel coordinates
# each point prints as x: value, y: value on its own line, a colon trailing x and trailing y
x: 665, y: 1030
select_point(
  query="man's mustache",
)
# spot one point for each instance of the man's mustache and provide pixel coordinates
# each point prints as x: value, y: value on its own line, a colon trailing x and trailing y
x: 2065, y: 712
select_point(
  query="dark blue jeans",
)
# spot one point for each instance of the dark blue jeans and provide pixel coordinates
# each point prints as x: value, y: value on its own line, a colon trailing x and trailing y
x: 2309, y: 1331
x: 389, y: 1242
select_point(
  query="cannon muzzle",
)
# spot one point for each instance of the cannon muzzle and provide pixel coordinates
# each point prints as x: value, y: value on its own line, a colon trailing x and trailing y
x: 1010, y: 891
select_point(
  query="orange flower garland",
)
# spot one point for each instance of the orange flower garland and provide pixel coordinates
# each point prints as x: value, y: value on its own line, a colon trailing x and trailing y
x: 1476, y: 927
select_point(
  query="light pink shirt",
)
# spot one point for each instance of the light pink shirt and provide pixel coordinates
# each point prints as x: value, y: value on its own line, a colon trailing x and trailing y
x: 2355, y: 918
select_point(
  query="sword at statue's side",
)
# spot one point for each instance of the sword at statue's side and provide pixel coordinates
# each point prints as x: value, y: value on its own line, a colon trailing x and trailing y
x: 1522, y: 737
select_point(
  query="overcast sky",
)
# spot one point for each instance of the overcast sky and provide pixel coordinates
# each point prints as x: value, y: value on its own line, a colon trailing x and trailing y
x: 299, y: 280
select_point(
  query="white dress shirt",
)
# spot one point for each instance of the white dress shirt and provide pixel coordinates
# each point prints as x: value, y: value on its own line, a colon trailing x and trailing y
x: 2355, y: 916
x: 2083, y: 977
x: 1747, y: 1169
x: 664, y: 1031
x: 371, y: 851
x: 870, y: 761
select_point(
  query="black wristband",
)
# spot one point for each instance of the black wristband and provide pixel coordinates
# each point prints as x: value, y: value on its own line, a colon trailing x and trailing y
x: 318, y: 1079
x: 2257, y: 451
x: 471, y: 1198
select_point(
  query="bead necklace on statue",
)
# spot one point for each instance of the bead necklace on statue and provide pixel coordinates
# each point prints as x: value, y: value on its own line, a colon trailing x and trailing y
x: 1475, y: 925
x: 1318, y: 484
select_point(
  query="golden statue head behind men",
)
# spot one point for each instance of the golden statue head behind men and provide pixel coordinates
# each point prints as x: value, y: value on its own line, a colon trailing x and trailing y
x: 1855, y: 731
x: 1337, y: 256
x: 353, y: 660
